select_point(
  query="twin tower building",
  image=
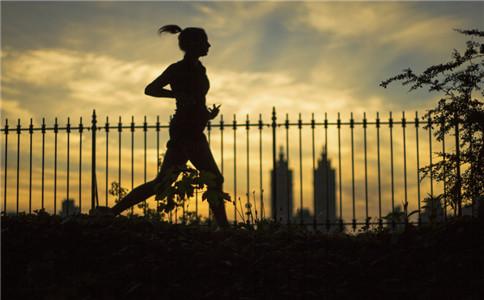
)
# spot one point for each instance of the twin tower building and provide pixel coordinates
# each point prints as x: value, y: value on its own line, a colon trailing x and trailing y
x: 324, y: 193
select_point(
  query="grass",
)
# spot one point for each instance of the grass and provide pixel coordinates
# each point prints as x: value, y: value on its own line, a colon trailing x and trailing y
x: 45, y: 257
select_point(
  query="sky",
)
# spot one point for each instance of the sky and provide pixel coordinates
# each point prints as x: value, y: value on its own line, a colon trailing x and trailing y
x: 64, y: 59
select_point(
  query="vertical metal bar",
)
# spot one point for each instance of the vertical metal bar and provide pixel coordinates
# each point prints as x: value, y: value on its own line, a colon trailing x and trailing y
x: 445, y: 170
x: 120, y: 129
x: 132, y: 157
x: 380, y: 220
x: 274, y: 164
x: 209, y: 130
x: 405, y: 163
x: 429, y: 123
x: 352, y: 125
x: 234, y: 128
x: 158, y: 160
x: 68, y: 129
x: 222, y: 144
x: 43, y: 165
x: 93, y: 160
x: 328, y: 222
x: 145, y: 129
x: 390, y: 124
x: 31, y: 131
x: 158, y: 142
x: 247, y: 166
x: 339, y: 171
x: 56, y: 130
x: 5, y: 169
x: 288, y: 184
x: 260, y: 169
x: 367, y: 220
x: 222, y: 126
x: 18, y: 163
x: 313, y: 125
x: 106, y: 128
x: 234, y: 202
x: 255, y: 205
x: 459, y: 179
x: 299, y: 124
x: 418, y: 168
x: 81, y: 128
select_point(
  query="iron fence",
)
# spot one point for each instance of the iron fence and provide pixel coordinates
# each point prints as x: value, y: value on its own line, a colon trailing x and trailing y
x: 366, y: 187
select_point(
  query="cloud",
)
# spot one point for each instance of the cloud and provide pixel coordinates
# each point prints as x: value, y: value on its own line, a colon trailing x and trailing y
x: 395, y: 23
x: 114, y: 87
x: 13, y: 109
x: 228, y: 18
x: 75, y: 82
x: 366, y: 19
x: 263, y: 54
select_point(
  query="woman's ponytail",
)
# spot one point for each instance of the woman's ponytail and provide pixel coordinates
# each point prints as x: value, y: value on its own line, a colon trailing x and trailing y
x: 170, y: 28
x: 186, y: 37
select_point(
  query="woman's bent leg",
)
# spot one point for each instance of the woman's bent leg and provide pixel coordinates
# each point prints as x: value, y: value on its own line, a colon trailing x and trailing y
x: 200, y: 155
x: 174, y: 156
x: 138, y: 194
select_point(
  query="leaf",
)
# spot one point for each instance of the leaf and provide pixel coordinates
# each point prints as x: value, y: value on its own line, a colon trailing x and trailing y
x: 208, y: 178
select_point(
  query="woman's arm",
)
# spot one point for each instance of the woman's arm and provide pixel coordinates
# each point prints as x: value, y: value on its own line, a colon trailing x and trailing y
x: 156, y: 88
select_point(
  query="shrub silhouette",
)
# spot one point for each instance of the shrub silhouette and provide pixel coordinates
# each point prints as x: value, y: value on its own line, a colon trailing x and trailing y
x: 459, y: 111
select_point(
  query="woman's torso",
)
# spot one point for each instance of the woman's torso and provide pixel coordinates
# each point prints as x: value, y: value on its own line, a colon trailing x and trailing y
x: 190, y: 85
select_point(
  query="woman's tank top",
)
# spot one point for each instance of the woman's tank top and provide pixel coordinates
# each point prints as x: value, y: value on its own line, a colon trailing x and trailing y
x: 190, y: 84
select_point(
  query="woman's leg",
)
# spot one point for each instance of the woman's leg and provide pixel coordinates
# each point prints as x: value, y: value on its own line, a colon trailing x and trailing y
x: 199, y: 154
x: 174, y: 156
x: 138, y: 194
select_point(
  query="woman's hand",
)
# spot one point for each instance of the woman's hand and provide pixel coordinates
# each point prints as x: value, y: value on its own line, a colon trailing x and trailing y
x: 213, y: 111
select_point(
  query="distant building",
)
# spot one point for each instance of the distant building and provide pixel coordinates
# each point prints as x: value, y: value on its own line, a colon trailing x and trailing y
x: 68, y: 208
x: 324, y: 197
x: 284, y: 198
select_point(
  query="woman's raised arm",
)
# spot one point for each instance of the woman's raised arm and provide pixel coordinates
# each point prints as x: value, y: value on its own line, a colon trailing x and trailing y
x: 156, y: 88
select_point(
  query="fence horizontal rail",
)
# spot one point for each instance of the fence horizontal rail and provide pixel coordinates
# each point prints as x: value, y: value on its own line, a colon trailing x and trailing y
x: 9, y: 129
x: 328, y: 207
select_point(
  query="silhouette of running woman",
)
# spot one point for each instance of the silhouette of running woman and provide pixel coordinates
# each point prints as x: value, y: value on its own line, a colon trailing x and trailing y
x: 189, y: 85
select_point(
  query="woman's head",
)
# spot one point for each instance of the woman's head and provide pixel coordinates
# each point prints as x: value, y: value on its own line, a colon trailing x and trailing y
x: 192, y: 40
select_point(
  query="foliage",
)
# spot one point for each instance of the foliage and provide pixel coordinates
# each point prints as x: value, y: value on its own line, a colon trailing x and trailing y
x: 432, y: 208
x: 133, y: 258
x: 400, y: 218
x: 191, y: 218
x: 180, y: 185
x: 459, y: 111
x: 117, y: 191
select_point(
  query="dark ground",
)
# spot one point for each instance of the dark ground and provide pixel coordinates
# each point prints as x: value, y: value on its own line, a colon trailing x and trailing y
x: 43, y: 258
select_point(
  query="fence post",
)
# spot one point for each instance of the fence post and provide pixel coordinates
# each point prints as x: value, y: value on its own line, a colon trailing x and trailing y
x: 5, y: 170
x: 274, y: 173
x: 93, y: 160
x: 457, y: 155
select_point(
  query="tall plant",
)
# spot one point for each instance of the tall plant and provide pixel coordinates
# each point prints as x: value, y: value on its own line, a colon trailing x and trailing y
x: 459, y: 112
